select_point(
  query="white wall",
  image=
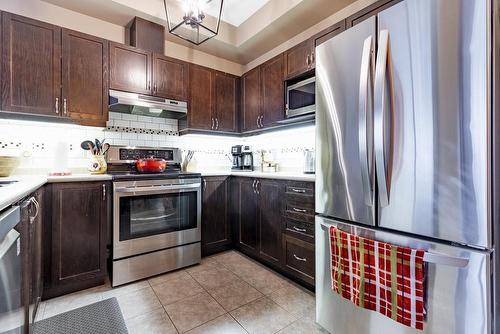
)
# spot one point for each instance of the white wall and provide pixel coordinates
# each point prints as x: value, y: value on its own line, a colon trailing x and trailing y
x: 37, y: 143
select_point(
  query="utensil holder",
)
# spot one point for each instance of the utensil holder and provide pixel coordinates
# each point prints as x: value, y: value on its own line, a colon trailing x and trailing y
x: 98, y: 164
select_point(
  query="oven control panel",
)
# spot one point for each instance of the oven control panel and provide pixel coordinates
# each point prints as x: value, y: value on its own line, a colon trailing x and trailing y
x: 135, y: 154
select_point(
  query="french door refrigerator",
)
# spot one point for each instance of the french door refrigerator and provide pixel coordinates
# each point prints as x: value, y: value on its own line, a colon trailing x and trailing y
x: 403, y: 142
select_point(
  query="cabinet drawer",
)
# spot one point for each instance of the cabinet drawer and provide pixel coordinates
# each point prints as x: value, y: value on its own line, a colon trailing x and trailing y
x: 299, y: 212
x: 299, y: 258
x: 300, y: 189
x: 301, y: 230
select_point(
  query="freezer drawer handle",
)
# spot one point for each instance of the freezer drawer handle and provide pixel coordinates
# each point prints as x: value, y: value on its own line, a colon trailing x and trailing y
x: 430, y: 257
x: 446, y: 260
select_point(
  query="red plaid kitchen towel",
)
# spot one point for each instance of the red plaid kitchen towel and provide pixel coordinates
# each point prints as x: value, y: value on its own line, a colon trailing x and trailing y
x: 379, y: 276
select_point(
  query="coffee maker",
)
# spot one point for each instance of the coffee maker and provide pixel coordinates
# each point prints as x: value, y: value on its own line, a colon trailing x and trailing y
x: 242, y: 158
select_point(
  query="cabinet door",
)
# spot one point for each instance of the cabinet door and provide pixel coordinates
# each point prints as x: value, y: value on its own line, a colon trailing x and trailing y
x: 369, y: 11
x: 31, y: 66
x: 201, y: 96
x: 130, y: 69
x: 226, y: 102
x: 270, y: 213
x: 216, y: 233
x: 300, y: 59
x: 273, y: 92
x: 251, y: 99
x: 78, y: 234
x: 85, y: 78
x: 248, y: 215
x: 170, y: 77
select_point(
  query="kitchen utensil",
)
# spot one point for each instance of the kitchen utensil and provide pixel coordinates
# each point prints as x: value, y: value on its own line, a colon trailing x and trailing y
x: 8, y: 164
x: 309, y: 162
x: 87, y: 145
x: 98, y: 146
x: 105, y: 148
x: 187, y: 159
x: 151, y: 165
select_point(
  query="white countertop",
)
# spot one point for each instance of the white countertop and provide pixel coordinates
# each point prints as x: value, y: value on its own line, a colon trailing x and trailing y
x: 26, y: 185
x: 294, y: 176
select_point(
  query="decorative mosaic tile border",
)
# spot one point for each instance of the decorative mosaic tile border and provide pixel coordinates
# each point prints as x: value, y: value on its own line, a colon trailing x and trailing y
x: 142, y: 131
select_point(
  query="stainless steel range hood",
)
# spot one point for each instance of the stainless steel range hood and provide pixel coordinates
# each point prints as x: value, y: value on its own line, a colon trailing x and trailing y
x: 145, y: 105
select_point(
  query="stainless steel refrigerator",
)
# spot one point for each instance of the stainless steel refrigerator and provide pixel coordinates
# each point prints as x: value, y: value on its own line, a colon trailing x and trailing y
x: 404, y: 155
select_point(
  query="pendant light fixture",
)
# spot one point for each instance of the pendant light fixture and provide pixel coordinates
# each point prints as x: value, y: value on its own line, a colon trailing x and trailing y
x: 188, y: 19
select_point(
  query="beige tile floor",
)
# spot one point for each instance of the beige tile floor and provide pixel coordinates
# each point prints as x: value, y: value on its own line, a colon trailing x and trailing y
x: 226, y: 293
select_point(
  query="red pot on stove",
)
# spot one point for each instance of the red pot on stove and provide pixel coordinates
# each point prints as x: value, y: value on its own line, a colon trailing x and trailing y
x: 151, y: 165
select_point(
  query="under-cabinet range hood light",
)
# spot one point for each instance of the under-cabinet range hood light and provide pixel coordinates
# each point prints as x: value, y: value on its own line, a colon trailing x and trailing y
x: 187, y: 19
x: 144, y: 105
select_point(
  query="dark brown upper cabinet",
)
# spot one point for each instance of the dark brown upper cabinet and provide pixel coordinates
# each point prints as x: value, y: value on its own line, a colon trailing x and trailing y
x: 130, y: 69
x: 147, y: 35
x: 170, y: 78
x: 273, y: 91
x: 201, y: 95
x: 213, y: 101
x: 31, y: 66
x: 369, y: 11
x: 329, y: 32
x: 216, y: 228
x: 84, y: 78
x: 226, y: 102
x: 300, y: 59
x: 251, y: 100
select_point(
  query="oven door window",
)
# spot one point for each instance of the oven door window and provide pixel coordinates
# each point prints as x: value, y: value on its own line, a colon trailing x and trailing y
x: 302, y: 96
x: 142, y: 216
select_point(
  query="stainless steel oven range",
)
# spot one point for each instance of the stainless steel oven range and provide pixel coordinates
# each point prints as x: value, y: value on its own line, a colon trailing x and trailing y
x: 156, y: 217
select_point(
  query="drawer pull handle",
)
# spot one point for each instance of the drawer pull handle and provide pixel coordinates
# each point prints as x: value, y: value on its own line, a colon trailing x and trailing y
x: 300, y: 191
x: 299, y: 229
x: 299, y: 258
x: 299, y: 210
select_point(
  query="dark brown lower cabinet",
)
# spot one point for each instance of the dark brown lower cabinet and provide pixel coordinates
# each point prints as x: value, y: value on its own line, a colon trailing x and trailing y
x: 270, y: 208
x: 75, y: 237
x: 299, y: 258
x: 215, y: 228
x: 273, y: 222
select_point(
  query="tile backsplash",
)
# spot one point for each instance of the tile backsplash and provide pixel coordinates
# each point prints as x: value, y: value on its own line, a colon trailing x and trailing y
x: 43, y: 145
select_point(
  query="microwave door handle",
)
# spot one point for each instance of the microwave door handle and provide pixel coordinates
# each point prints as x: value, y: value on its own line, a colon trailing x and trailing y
x: 365, y: 111
x: 382, y: 72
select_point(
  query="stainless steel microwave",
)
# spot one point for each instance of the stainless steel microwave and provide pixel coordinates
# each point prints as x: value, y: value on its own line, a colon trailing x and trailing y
x: 301, y: 98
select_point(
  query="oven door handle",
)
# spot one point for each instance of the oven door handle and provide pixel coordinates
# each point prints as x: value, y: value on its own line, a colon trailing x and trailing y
x: 155, y: 189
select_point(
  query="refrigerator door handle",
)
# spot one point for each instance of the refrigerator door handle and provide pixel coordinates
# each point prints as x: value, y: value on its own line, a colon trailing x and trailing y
x: 365, y: 114
x: 382, y: 71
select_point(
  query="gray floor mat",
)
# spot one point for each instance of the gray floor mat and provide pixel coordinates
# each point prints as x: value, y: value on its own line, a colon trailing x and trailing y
x: 104, y: 317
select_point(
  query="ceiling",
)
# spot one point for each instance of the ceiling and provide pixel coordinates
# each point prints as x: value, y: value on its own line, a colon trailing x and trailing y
x: 250, y: 27
x: 236, y: 12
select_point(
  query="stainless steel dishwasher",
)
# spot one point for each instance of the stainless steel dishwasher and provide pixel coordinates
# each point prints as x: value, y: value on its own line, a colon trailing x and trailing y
x: 11, y: 307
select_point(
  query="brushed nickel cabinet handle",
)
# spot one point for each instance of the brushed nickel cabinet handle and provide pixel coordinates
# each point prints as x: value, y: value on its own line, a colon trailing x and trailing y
x: 299, y: 258
x: 217, y: 123
x: 57, y: 105
x: 299, y: 229
x: 104, y: 192
x: 300, y: 191
x: 299, y: 210
x: 65, y: 106
x: 204, y: 184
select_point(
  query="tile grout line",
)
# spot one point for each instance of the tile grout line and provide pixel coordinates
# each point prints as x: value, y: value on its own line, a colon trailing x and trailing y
x: 163, y: 306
